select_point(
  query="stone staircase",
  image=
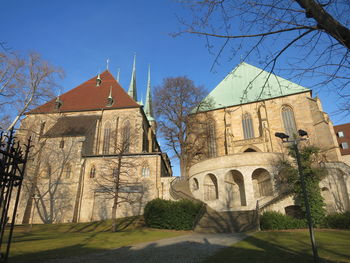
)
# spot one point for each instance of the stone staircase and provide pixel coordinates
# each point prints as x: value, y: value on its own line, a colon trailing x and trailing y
x: 179, y: 189
x: 211, y: 221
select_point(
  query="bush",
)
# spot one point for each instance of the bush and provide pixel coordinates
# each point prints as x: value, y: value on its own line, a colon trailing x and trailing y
x: 277, y: 221
x: 166, y: 214
x: 339, y: 220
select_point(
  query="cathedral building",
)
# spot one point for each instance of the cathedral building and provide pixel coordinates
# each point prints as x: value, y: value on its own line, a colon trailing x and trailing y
x: 236, y: 171
x: 95, y: 152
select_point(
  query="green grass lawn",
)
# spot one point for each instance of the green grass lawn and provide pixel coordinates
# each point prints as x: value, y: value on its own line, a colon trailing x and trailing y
x: 62, y: 240
x: 288, y: 246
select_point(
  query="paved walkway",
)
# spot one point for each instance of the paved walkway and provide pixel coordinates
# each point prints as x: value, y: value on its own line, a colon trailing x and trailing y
x: 183, y: 249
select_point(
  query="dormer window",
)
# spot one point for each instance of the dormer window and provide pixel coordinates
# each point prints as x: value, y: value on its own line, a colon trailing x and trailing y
x: 58, y: 103
x: 344, y: 145
x: 110, y: 101
x: 340, y: 134
x: 98, y: 81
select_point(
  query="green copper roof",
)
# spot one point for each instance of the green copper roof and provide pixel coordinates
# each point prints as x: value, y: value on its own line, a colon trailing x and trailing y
x: 247, y: 83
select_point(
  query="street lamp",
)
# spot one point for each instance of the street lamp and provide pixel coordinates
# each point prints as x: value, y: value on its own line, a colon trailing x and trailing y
x: 285, y: 139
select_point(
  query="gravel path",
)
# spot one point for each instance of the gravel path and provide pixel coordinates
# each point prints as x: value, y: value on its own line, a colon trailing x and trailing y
x: 183, y: 249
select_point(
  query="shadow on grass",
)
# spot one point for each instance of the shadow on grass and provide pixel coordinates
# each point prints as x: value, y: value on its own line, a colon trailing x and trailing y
x: 255, y: 250
x: 150, y: 252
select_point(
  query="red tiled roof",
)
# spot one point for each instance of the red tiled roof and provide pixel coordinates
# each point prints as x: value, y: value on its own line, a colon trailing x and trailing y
x: 89, y: 97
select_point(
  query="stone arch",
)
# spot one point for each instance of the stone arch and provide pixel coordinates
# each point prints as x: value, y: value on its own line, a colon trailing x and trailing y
x: 210, y: 187
x: 262, y: 183
x: 235, y: 190
x: 194, y: 184
x: 343, y: 190
x: 250, y: 148
x: 294, y: 211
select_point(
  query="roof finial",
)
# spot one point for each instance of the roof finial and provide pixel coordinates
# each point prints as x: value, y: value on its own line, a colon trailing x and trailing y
x: 132, y: 88
x: 118, y: 74
x: 107, y: 63
x: 148, y: 105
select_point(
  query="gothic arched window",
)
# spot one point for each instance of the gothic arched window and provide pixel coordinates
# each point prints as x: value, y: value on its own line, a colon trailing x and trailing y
x: 211, y: 139
x: 288, y: 120
x: 145, y: 171
x: 92, y: 171
x: 247, y: 123
x: 106, y: 138
x: 126, y: 137
x: 68, y: 170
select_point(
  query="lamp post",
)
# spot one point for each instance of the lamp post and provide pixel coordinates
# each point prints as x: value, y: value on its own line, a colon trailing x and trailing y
x: 285, y: 139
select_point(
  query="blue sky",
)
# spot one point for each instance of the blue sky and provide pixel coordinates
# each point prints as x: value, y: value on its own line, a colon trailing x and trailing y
x: 80, y: 35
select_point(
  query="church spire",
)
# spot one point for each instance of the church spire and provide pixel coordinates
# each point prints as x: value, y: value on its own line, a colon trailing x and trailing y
x: 148, y: 105
x: 132, y: 88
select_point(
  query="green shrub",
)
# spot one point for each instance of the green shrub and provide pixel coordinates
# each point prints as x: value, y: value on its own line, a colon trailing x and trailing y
x: 338, y: 220
x: 166, y: 214
x: 277, y: 221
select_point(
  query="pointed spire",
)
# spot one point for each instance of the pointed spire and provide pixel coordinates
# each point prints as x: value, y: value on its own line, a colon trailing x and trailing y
x: 118, y: 75
x: 132, y: 88
x: 148, y: 105
x: 107, y: 62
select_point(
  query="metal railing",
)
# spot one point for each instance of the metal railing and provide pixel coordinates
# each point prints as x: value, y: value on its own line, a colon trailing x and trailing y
x: 13, y: 161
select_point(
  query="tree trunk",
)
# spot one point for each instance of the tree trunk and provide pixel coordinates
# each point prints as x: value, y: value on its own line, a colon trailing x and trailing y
x: 114, y: 214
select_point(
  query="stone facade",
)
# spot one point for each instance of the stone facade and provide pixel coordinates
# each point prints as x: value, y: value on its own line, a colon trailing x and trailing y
x: 73, y: 165
x: 239, y: 174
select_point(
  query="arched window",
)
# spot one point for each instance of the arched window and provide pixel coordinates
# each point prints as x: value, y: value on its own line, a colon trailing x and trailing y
x: 195, y: 184
x: 145, y: 171
x: 126, y: 137
x: 262, y: 183
x: 288, y: 120
x: 211, y: 139
x: 247, y: 123
x: 92, y: 171
x: 67, y: 170
x: 106, y: 138
x: 235, y: 191
x: 210, y: 187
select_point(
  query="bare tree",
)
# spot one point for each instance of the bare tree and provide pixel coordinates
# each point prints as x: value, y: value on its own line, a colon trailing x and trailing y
x: 119, y: 180
x: 176, y: 99
x: 24, y: 84
x: 313, y: 37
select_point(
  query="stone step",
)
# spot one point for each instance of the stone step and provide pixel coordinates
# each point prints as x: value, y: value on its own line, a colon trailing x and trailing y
x: 212, y: 221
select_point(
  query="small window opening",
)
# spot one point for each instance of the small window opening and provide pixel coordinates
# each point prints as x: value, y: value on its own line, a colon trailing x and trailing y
x: 62, y: 144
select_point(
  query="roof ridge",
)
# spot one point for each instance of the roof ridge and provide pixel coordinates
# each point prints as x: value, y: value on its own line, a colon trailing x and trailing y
x: 87, y: 96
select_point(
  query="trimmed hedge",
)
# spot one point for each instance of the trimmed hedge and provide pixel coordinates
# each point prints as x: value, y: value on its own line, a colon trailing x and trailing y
x: 338, y: 220
x: 166, y: 214
x: 277, y: 221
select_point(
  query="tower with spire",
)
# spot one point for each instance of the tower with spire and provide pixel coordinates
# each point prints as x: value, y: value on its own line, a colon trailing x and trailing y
x: 132, y: 87
x: 148, y: 105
